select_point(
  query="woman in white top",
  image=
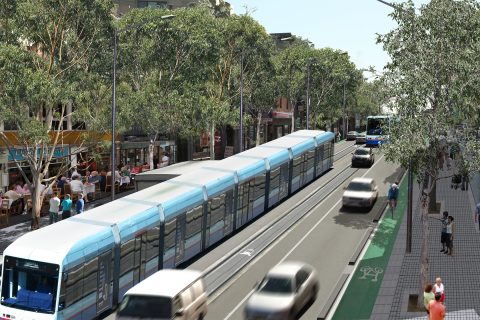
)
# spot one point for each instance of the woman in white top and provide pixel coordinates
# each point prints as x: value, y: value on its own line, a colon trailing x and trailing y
x: 439, y: 288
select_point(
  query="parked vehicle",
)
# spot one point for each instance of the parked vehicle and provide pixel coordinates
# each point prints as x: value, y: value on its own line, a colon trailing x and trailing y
x: 363, y: 157
x: 351, y: 135
x: 361, y: 138
x: 286, y: 289
x: 89, y: 261
x: 361, y: 192
x: 168, y: 294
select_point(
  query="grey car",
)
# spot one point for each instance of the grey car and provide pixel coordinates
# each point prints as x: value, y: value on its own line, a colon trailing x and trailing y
x: 351, y: 135
x: 363, y: 157
x: 286, y: 289
x: 361, y: 138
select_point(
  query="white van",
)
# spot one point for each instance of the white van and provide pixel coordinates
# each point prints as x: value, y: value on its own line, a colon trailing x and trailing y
x: 167, y: 294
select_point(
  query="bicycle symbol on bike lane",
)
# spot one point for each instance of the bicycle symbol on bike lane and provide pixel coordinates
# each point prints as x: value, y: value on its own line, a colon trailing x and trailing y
x: 371, y: 272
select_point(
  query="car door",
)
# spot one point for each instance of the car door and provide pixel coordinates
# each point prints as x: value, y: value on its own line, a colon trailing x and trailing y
x: 302, y: 290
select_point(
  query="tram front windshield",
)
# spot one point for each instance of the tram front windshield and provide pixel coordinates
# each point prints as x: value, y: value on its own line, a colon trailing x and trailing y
x: 29, y: 285
x: 377, y: 126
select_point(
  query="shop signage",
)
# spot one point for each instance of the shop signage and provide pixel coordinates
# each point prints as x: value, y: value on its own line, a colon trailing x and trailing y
x: 17, y: 154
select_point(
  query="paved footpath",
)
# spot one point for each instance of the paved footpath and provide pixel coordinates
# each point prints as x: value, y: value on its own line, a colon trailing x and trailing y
x: 380, y: 291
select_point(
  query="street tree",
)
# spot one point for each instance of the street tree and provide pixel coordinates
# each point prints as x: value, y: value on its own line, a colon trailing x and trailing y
x: 56, y: 57
x: 433, y: 79
x: 160, y: 61
x: 290, y: 64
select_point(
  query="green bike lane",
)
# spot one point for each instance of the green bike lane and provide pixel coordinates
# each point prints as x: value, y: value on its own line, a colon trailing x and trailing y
x: 361, y: 293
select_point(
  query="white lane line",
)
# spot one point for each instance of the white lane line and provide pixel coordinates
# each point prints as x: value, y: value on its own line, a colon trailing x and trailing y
x: 296, y: 246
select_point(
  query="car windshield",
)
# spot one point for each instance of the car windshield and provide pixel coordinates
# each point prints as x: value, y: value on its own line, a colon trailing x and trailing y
x: 278, y: 285
x: 145, y: 307
x: 362, y: 152
x: 359, y: 186
x: 29, y: 285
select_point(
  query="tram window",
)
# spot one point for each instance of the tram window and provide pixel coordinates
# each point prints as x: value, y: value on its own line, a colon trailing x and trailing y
x: 152, y: 243
x: 90, y: 276
x: 310, y: 159
x: 274, y: 178
x: 126, y: 256
x: 74, y: 285
x: 194, y: 221
x: 297, y: 164
x: 259, y: 186
x: 216, y: 209
x: 170, y: 227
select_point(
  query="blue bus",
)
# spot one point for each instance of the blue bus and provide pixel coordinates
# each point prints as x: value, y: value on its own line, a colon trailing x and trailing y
x: 377, y: 130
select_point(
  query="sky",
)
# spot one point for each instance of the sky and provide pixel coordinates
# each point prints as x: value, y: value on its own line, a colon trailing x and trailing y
x: 347, y: 25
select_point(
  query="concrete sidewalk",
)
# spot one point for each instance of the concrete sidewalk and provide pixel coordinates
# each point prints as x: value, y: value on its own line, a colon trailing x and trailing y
x: 460, y: 273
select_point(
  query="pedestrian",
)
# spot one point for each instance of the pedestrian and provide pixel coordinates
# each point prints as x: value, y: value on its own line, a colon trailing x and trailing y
x: 450, y: 234
x: 66, y: 207
x: 443, y: 238
x: 392, y: 196
x: 54, y: 208
x: 428, y: 296
x: 477, y: 214
x: 80, y: 205
x: 436, y: 308
x: 439, y: 288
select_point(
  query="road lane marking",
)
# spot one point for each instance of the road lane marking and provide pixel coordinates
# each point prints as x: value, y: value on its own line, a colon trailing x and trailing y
x: 247, y: 252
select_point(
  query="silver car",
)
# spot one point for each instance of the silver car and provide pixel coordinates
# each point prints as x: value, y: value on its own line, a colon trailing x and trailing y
x: 361, y: 192
x: 363, y: 157
x: 284, y: 291
x: 361, y: 138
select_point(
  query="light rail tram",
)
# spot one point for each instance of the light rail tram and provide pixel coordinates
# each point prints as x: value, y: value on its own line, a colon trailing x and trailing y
x: 81, y: 267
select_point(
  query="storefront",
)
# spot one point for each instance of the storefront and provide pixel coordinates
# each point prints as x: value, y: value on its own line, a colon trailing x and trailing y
x: 136, y: 153
x: 60, y: 155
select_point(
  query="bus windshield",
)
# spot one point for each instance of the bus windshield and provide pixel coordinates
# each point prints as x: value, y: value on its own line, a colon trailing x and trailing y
x: 29, y: 285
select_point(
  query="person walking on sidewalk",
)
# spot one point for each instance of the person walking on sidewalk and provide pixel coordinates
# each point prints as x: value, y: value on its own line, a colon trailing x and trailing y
x: 439, y: 288
x: 443, y: 237
x: 477, y: 215
x: 80, y: 205
x: 54, y: 207
x: 450, y: 233
x: 66, y: 207
x: 428, y: 296
x: 437, y: 309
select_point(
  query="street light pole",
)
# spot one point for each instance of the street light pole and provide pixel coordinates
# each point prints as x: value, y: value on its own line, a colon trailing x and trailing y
x: 308, y: 94
x: 241, y: 102
x: 344, y: 112
x: 114, y: 89
x: 114, y: 105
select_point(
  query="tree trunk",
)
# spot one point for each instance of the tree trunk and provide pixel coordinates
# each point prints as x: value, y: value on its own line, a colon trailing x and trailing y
x: 432, y: 204
x: 212, y: 141
x: 259, y: 127
x: 424, y: 253
x: 150, y: 154
x: 37, y: 200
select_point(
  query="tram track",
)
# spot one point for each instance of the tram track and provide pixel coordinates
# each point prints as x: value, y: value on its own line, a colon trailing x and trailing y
x: 220, y: 273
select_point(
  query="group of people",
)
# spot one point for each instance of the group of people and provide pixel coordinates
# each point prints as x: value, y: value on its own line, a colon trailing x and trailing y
x: 65, y: 206
x: 433, y: 299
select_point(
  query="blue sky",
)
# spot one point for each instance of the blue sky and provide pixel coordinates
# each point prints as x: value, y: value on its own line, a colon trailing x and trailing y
x: 348, y: 25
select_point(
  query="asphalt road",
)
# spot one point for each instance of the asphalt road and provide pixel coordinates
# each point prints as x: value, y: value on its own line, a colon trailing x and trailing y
x: 326, y: 238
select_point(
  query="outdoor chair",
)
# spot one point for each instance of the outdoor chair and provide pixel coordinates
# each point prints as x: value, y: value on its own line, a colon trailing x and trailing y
x: 4, y: 212
x: 108, y: 184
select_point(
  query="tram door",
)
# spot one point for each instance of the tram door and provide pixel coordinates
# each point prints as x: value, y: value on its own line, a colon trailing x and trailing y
x: 140, y: 258
x: 104, y: 284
